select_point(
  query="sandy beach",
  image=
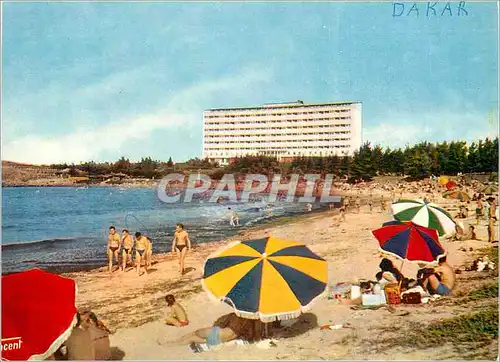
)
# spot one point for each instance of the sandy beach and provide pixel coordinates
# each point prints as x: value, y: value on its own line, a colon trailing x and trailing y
x: 132, y: 307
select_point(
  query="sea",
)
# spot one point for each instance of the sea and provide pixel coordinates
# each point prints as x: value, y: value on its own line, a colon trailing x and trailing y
x: 64, y: 229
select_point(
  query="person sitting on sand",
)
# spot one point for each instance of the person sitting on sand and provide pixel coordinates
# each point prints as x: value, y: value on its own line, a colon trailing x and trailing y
x: 99, y: 335
x: 127, y: 244
x: 182, y: 243
x: 79, y: 345
x: 442, y: 281
x: 113, y: 246
x: 471, y: 234
x: 225, y: 329
x: 459, y: 232
x: 175, y: 314
x: 141, y: 248
x: 390, y: 273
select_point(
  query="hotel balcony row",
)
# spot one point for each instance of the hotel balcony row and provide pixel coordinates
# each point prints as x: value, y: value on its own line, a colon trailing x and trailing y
x: 277, y: 120
x: 284, y: 136
x: 282, y: 141
x: 288, y: 125
x: 278, y: 112
x: 280, y: 147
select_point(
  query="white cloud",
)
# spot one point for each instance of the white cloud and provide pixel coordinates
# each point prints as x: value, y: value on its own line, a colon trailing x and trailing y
x: 397, y: 130
x: 182, y: 110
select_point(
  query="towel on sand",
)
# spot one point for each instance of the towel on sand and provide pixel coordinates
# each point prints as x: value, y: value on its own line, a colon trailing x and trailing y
x: 204, y: 347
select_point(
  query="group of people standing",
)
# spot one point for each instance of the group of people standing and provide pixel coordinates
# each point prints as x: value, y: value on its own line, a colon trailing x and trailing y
x: 125, y: 244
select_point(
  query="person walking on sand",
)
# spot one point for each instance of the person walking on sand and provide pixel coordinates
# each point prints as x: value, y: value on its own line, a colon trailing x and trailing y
x: 113, y: 247
x: 370, y: 204
x: 141, y: 248
x: 182, y: 243
x: 175, y: 314
x: 127, y: 244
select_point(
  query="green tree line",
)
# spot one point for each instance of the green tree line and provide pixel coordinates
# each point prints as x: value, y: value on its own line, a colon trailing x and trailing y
x: 417, y: 161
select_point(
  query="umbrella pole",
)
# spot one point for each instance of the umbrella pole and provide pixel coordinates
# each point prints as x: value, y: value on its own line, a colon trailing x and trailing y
x: 401, y: 270
x: 266, y: 331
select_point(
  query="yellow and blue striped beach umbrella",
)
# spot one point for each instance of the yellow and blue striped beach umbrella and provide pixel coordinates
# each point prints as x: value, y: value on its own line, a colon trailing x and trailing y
x: 267, y: 279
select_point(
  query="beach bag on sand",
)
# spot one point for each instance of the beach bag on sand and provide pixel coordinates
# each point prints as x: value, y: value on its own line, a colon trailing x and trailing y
x: 412, y: 298
x: 392, y: 293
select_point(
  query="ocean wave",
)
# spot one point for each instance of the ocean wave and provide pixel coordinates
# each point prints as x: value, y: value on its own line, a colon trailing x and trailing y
x: 20, y: 244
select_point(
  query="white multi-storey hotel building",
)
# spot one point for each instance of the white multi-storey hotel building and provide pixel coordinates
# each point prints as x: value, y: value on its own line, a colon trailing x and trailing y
x: 284, y: 130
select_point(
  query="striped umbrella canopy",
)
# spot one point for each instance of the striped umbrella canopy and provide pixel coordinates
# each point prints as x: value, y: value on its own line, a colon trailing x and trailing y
x: 425, y: 214
x: 457, y: 195
x: 490, y: 190
x: 409, y: 242
x: 451, y: 185
x: 267, y: 279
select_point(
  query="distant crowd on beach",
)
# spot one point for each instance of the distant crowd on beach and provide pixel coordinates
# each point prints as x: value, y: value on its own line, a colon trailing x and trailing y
x: 373, y: 194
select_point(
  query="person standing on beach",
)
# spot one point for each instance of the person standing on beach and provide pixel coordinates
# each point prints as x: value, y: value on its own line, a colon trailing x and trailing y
x: 347, y: 203
x: 357, y: 203
x: 141, y: 248
x: 127, y: 244
x: 182, y: 243
x: 370, y: 204
x: 113, y: 246
x: 491, y: 219
x: 383, y: 205
x: 342, y: 210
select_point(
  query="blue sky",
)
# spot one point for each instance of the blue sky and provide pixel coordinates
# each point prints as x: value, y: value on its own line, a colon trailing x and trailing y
x: 96, y: 81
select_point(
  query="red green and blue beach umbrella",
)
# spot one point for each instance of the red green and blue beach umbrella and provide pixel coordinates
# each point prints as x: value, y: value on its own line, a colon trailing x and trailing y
x: 409, y: 242
x: 425, y: 214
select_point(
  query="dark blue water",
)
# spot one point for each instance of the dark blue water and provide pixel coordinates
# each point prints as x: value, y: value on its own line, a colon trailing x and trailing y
x: 65, y: 228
